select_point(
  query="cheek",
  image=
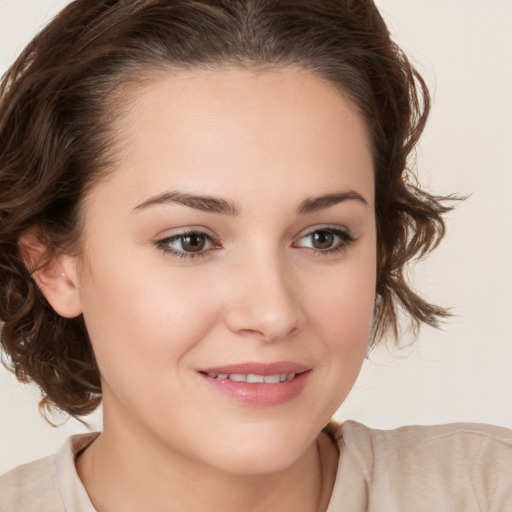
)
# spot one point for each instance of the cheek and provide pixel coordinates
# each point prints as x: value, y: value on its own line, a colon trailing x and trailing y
x: 140, y: 320
x: 343, y: 316
x: 345, y: 303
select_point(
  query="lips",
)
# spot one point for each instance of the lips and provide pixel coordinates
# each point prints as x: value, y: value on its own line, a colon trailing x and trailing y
x: 258, y: 384
x: 258, y: 368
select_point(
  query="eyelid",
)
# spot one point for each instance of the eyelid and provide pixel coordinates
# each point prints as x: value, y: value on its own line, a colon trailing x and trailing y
x: 163, y: 243
x: 336, y: 229
x: 183, y: 231
x: 344, y: 234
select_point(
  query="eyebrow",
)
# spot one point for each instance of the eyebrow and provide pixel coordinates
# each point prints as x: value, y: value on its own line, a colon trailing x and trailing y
x: 314, y: 204
x: 211, y: 204
x: 208, y: 204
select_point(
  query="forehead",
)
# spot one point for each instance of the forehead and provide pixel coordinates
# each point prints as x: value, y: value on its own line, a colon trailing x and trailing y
x: 239, y: 132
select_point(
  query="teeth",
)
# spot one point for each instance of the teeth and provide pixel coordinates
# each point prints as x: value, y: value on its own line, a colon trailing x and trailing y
x: 218, y: 375
x: 252, y: 378
x: 255, y: 378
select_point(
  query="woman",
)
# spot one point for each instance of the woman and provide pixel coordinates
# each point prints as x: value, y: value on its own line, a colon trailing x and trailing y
x: 206, y: 215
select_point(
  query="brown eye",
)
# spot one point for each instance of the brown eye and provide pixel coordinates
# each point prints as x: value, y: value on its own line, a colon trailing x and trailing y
x: 193, y: 242
x: 322, y: 240
x: 326, y: 240
x: 183, y: 245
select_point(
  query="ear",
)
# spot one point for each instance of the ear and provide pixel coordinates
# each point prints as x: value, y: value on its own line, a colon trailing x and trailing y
x: 56, y: 275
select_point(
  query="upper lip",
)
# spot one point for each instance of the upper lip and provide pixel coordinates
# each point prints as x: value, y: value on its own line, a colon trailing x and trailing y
x: 258, y: 368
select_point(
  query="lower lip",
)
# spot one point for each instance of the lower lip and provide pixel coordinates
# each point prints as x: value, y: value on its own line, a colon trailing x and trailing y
x: 259, y: 394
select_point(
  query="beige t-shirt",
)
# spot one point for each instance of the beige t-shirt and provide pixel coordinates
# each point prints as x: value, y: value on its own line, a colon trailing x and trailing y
x: 457, y: 468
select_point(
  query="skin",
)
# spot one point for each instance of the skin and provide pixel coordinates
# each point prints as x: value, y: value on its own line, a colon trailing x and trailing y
x: 262, y: 291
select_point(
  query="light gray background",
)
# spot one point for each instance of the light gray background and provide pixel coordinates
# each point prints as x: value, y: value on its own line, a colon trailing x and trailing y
x: 463, y: 373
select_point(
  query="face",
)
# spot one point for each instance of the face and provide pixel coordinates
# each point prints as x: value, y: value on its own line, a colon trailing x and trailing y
x: 228, y: 270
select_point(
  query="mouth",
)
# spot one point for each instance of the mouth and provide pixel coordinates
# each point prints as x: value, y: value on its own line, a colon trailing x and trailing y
x: 252, y: 378
x: 258, y: 384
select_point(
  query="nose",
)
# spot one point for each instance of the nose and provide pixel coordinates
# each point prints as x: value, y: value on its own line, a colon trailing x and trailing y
x: 265, y: 301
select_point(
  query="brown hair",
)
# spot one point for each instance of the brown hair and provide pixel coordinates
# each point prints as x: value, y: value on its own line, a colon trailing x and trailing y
x: 56, y: 108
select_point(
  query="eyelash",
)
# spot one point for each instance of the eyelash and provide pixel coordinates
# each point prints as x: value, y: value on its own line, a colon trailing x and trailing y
x: 164, y: 245
x: 345, y: 240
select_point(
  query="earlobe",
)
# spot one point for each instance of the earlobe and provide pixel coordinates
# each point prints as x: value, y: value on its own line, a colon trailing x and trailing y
x: 55, y: 275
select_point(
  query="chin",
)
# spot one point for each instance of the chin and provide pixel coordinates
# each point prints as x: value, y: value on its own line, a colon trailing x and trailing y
x: 259, y: 450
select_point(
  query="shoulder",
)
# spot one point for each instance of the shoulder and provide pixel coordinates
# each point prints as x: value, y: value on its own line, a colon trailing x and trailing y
x: 50, y: 484
x: 467, y: 463
x: 30, y: 486
x: 443, y: 441
x: 460, y: 436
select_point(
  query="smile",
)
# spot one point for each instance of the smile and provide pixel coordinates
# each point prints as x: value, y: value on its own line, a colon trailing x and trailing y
x: 253, y: 378
x: 258, y: 384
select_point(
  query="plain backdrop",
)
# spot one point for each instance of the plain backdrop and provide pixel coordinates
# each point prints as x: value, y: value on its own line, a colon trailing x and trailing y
x: 463, y: 372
